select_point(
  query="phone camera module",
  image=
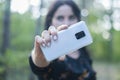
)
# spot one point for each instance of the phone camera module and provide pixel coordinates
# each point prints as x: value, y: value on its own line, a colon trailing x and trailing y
x: 80, y: 35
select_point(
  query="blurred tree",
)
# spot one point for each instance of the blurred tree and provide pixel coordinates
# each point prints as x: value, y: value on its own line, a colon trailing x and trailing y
x: 23, y: 28
x: 39, y: 19
x: 110, y: 47
x: 6, y: 37
x: 6, y: 27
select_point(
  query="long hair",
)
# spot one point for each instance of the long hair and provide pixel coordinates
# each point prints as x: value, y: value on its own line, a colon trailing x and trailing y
x: 56, y: 5
x: 76, y: 11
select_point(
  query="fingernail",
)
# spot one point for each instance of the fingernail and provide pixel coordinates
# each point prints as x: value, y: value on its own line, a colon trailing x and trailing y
x: 48, y: 44
x: 37, y: 39
x: 43, y: 44
x: 52, y: 28
x: 55, y: 37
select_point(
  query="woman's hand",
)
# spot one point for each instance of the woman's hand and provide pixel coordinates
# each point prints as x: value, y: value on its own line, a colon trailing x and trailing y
x: 44, y: 41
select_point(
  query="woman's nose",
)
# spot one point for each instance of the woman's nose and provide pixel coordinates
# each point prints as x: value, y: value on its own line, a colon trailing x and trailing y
x: 67, y: 22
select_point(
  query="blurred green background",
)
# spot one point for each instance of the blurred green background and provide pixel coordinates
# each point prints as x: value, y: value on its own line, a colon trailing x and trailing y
x: 21, y: 20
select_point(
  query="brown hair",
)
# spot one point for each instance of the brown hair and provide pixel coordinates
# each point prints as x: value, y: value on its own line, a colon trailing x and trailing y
x: 56, y: 5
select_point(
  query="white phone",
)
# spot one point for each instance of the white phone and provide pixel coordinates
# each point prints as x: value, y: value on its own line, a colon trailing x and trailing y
x: 71, y: 39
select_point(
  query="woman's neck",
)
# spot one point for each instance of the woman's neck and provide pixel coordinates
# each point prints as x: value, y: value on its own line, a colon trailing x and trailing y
x: 74, y: 54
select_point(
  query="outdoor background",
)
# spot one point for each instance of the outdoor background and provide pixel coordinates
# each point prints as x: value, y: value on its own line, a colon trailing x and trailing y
x: 21, y: 20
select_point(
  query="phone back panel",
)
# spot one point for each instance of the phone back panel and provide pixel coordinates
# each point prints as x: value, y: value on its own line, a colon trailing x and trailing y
x: 71, y: 39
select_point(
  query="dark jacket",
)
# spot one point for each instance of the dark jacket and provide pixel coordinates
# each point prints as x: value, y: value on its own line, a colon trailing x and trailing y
x: 69, y: 69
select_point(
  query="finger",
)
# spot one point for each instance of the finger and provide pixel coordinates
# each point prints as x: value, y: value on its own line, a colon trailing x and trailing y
x: 46, y: 37
x: 62, y: 27
x: 39, y: 42
x: 53, y: 32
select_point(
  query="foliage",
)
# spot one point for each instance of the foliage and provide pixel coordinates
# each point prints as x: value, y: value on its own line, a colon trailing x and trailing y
x: 2, y: 68
x: 116, y: 46
x: 17, y: 59
x: 100, y: 48
x: 1, y: 28
x: 22, y: 32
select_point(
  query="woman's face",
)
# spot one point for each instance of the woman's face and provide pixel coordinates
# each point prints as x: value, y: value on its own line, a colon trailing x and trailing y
x: 64, y: 16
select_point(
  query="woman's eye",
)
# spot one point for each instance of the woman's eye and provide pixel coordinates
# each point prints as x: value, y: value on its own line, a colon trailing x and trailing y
x: 60, y: 18
x: 72, y: 17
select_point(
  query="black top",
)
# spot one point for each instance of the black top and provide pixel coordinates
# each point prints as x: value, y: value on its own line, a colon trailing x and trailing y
x: 69, y: 69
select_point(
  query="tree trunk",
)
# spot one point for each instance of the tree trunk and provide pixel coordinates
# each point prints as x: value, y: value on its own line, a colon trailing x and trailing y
x: 6, y: 33
x: 38, y: 21
x: 6, y: 27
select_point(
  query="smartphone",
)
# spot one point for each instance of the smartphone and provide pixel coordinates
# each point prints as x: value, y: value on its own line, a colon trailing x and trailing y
x: 71, y: 39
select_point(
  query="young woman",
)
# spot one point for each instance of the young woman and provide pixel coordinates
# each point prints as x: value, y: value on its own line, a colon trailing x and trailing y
x: 74, y: 66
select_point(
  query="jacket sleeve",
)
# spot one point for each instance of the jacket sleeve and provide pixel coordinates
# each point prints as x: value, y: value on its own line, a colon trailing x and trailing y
x: 37, y: 70
x: 54, y: 68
